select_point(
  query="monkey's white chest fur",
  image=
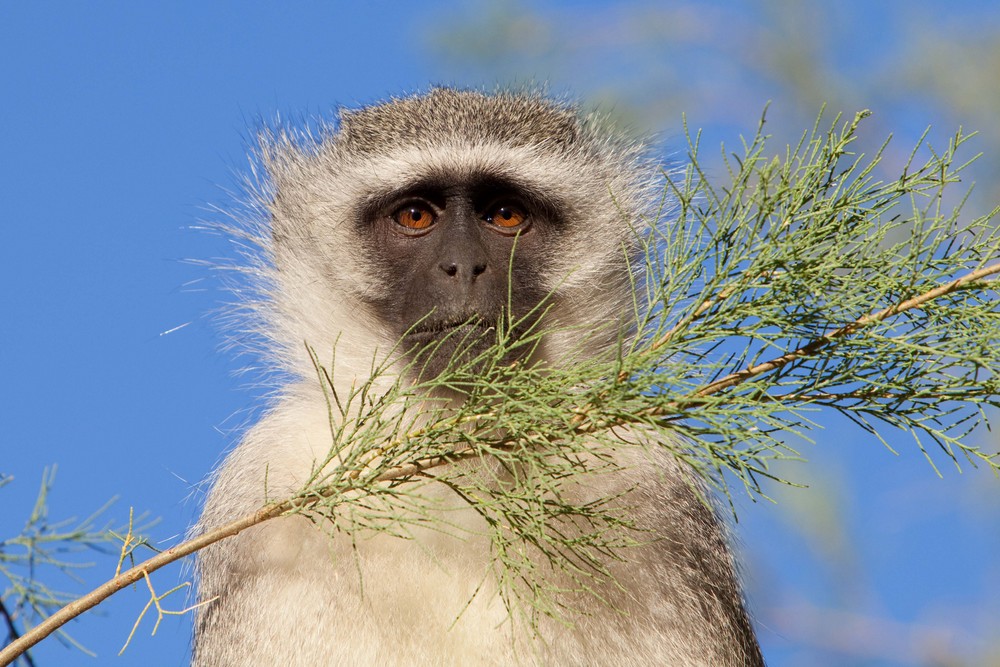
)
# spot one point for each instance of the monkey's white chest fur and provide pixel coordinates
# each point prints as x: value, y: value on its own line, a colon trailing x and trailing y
x: 291, y: 594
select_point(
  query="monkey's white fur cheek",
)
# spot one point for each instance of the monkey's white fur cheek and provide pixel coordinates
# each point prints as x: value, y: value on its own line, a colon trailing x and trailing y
x: 301, y: 590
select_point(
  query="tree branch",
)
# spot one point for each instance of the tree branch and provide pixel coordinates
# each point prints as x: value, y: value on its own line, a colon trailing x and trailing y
x: 21, y: 644
x: 819, y: 343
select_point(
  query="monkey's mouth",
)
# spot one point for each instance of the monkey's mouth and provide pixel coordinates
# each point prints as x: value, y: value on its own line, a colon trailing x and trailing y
x: 449, y: 343
x: 454, y: 333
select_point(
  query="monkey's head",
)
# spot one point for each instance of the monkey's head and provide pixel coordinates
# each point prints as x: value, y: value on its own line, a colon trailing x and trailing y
x: 434, y: 218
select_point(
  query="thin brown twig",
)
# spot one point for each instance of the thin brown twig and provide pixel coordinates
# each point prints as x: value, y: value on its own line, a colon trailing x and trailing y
x: 819, y: 343
x: 703, y: 308
x: 863, y: 395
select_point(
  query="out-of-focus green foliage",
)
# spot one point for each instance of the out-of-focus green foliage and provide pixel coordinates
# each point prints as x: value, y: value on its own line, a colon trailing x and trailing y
x: 31, y: 561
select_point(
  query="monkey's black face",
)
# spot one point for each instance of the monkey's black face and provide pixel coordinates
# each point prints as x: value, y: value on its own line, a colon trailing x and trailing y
x: 458, y: 258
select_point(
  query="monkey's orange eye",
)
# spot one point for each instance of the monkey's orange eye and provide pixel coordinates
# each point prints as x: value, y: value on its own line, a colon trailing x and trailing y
x: 414, y: 216
x: 507, y: 216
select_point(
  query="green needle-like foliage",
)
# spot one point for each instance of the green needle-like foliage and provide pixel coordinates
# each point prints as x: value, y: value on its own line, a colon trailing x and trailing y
x: 804, y: 283
x: 809, y: 283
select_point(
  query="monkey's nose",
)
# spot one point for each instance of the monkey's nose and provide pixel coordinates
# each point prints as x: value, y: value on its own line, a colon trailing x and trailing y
x: 453, y: 269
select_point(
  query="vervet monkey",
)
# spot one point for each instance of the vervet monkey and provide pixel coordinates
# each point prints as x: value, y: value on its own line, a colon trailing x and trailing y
x: 418, y: 219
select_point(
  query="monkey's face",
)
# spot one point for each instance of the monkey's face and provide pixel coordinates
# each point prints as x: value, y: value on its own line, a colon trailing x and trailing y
x: 456, y: 257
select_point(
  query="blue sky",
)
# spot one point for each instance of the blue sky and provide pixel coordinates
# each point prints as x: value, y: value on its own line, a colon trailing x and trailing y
x: 123, y: 124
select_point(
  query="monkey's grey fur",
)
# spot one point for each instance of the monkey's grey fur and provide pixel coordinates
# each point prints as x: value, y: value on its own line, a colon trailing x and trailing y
x: 284, y: 592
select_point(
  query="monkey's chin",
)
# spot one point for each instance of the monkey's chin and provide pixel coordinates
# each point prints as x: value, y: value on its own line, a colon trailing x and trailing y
x: 460, y: 349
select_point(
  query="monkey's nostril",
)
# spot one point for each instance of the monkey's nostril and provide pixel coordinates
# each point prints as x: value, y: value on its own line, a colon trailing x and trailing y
x: 453, y: 269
